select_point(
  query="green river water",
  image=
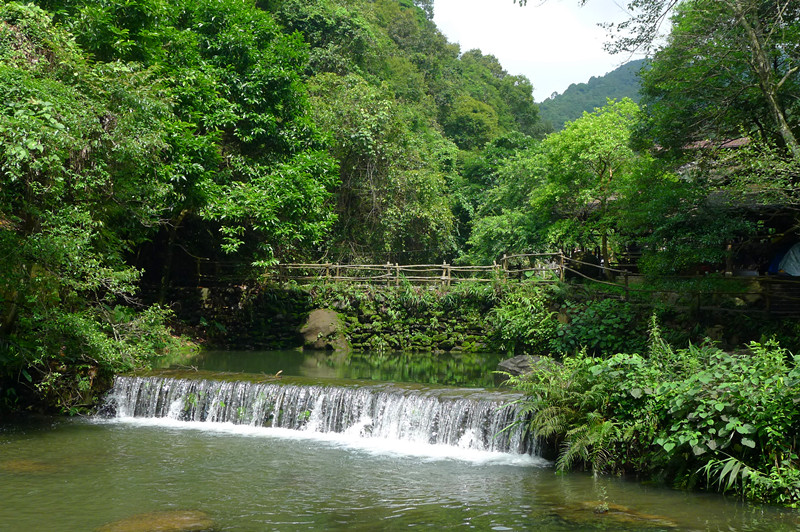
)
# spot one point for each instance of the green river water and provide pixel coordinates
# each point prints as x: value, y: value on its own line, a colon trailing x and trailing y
x: 59, y: 474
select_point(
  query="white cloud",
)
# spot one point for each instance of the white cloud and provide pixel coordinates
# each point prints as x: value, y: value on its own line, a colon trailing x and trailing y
x: 554, y: 43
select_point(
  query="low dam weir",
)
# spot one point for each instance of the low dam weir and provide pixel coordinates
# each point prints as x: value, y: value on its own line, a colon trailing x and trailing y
x: 460, y: 419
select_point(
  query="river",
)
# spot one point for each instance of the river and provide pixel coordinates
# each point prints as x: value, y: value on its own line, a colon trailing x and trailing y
x: 110, y: 473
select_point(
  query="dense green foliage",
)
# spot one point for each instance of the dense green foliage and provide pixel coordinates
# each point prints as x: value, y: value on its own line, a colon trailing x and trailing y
x: 565, y: 193
x: 696, y: 415
x: 143, y: 138
x: 729, y: 93
x: 399, y: 103
x: 522, y: 322
x: 622, y: 82
x: 599, y: 326
x: 78, y: 143
x: 146, y: 144
x: 690, y: 200
x: 243, y: 153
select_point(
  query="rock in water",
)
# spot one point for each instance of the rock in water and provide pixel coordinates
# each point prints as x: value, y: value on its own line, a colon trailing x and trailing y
x: 169, y: 521
x: 324, y: 330
x: 518, y: 365
x: 521, y: 365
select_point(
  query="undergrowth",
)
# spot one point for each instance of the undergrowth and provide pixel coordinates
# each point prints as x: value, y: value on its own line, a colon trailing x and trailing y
x: 696, y: 416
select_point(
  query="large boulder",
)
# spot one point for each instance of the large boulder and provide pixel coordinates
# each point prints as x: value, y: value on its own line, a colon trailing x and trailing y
x: 324, y: 329
x: 519, y: 365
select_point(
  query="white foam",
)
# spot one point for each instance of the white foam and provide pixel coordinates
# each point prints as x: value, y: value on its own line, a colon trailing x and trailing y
x: 350, y: 440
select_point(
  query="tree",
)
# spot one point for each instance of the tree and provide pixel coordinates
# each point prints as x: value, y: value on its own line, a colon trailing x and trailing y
x: 563, y: 193
x: 471, y: 123
x: 511, y: 97
x: 474, y: 191
x: 392, y: 199
x: 728, y: 69
x: 679, y: 222
x: 80, y: 145
x: 763, y: 35
x: 590, y: 160
x: 244, y: 132
x: 340, y: 38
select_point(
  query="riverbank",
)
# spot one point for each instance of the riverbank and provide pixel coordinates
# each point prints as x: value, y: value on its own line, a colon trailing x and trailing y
x: 695, y: 417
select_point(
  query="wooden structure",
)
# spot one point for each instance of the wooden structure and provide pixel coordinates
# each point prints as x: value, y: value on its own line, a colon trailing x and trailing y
x: 774, y: 295
x: 778, y: 296
x: 544, y: 267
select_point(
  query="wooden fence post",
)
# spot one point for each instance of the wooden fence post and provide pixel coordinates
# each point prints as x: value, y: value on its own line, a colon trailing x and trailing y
x: 446, y: 273
x: 396, y: 274
x: 562, y: 273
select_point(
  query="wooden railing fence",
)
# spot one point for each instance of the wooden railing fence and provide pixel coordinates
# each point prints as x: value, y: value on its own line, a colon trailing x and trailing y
x: 544, y: 267
x: 775, y: 295
x: 779, y: 296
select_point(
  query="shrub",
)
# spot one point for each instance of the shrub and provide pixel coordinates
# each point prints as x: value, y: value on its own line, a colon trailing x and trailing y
x: 606, y: 326
x: 697, y: 416
x: 522, y: 323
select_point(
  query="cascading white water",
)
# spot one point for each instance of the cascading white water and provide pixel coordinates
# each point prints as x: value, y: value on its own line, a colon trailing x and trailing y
x: 465, y: 419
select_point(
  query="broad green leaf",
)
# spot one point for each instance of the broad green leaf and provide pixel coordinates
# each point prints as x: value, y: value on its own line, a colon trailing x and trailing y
x: 747, y: 442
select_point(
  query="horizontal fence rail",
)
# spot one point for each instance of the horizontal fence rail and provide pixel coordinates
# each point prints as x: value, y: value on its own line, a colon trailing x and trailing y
x: 774, y: 295
x: 444, y: 274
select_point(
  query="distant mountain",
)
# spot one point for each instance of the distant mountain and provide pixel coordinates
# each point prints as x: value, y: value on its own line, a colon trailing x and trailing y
x: 622, y: 82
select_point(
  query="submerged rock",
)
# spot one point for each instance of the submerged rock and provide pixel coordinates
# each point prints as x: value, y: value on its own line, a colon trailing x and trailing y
x: 613, y: 515
x: 26, y: 466
x: 168, y: 521
x: 324, y: 329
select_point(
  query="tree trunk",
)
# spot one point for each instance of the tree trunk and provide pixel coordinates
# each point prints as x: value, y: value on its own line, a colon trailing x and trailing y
x: 766, y: 76
x: 170, y: 252
x: 606, y: 255
x: 10, y: 316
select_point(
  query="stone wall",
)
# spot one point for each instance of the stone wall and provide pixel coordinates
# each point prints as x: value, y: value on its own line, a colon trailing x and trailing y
x: 241, y: 317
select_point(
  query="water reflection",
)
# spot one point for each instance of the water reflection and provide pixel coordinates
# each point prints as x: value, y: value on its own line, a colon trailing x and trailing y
x: 455, y: 369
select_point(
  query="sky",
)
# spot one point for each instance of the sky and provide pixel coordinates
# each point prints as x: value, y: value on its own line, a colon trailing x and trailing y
x: 553, y: 42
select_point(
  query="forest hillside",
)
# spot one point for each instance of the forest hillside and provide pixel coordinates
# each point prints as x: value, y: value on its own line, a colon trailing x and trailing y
x: 622, y: 82
x: 148, y: 145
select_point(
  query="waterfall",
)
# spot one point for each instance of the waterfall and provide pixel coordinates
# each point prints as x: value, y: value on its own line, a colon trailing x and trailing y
x: 460, y: 418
